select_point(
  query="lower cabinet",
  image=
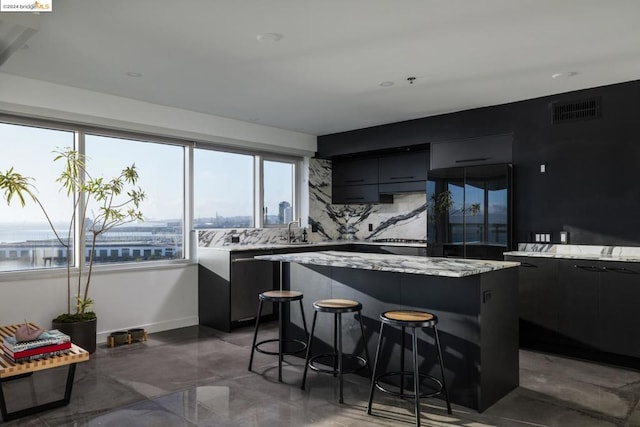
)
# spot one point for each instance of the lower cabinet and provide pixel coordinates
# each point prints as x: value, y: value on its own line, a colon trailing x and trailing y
x: 619, y: 300
x: 228, y: 287
x: 578, y: 310
x: 540, y: 298
x: 590, y: 308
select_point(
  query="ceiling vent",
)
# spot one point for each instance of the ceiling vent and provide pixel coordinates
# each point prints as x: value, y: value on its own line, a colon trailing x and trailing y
x: 573, y: 111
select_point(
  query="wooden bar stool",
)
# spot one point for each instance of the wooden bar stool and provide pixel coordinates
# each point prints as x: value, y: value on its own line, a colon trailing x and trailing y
x: 280, y: 298
x: 409, y: 319
x: 337, y: 307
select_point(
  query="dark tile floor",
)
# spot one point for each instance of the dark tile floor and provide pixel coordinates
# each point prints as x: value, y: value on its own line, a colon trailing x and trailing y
x: 198, y: 376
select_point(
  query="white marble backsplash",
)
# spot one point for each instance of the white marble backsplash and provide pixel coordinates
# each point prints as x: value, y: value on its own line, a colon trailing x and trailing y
x: 598, y: 252
x: 404, y: 219
x: 219, y: 237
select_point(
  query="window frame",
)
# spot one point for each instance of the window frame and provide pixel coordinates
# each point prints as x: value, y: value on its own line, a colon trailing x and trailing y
x: 190, y: 236
x: 296, y: 180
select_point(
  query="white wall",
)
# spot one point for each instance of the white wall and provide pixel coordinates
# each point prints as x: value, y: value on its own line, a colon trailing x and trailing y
x: 156, y: 299
x: 35, y: 98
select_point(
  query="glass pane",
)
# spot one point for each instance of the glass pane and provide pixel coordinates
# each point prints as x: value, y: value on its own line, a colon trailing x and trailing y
x: 223, y: 189
x: 456, y: 213
x: 27, y: 241
x: 497, y: 212
x: 278, y: 179
x: 161, y: 177
x: 474, y: 211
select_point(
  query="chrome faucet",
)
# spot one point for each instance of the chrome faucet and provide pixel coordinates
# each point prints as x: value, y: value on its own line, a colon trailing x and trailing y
x: 289, y: 233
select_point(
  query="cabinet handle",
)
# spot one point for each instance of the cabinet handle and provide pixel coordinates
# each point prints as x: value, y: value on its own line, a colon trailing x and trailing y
x: 354, y: 180
x: 354, y: 198
x: 528, y: 265
x: 619, y: 270
x: 401, y: 177
x: 591, y: 268
x: 479, y: 159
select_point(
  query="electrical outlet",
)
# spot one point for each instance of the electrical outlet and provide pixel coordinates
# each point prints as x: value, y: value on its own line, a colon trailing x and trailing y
x: 486, y: 296
x: 235, y: 239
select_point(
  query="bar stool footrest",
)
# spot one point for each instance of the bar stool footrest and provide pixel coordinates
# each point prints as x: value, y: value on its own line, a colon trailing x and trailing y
x: 302, y: 344
x: 438, y: 390
x: 362, y: 362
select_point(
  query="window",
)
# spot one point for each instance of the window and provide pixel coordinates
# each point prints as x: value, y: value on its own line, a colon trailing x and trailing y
x: 26, y: 239
x: 278, y: 178
x: 229, y: 190
x: 223, y: 189
x: 161, y: 176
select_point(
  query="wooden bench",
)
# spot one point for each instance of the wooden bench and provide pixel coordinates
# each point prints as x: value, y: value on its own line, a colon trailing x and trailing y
x: 10, y: 370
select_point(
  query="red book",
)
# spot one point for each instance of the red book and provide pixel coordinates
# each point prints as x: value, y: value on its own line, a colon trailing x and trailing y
x: 37, y: 350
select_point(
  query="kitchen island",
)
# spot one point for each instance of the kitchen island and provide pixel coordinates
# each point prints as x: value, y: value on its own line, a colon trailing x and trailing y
x: 476, y: 302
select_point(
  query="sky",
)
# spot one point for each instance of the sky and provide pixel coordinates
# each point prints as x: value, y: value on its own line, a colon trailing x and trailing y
x: 223, y: 182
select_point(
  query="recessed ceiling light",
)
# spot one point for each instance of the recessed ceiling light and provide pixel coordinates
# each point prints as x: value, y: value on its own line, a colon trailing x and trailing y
x: 564, y: 75
x: 386, y: 84
x: 269, y: 37
x: 133, y: 74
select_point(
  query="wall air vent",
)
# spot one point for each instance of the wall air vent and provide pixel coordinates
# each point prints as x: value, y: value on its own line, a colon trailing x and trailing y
x: 573, y: 111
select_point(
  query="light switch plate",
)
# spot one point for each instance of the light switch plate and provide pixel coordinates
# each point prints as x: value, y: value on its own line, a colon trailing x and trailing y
x: 538, y: 237
x: 564, y: 237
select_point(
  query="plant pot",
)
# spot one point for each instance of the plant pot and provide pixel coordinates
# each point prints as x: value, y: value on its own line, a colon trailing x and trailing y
x: 83, y: 334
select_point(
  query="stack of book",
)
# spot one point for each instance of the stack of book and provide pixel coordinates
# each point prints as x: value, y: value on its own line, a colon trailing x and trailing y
x: 49, y: 343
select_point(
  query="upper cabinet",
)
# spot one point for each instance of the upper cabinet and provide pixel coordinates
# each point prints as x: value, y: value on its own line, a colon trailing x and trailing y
x: 355, y: 171
x: 401, y: 173
x: 376, y: 179
x: 486, y: 150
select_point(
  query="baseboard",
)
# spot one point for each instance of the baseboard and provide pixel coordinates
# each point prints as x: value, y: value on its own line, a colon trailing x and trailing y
x: 164, y: 325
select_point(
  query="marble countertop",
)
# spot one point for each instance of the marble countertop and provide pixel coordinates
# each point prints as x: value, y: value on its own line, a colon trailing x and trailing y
x: 583, y: 252
x: 238, y: 247
x: 448, y: 267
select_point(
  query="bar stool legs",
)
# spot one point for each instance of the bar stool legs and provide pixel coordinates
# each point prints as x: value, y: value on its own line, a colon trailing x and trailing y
x: 337, y: 307
x: 278, y: 297
x: 413, y: 320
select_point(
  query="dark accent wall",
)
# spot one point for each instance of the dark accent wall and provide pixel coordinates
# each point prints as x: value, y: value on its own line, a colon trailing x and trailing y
x: 590, y: 188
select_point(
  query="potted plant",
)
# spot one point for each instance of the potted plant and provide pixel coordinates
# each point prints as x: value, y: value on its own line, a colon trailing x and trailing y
x: 99, y: 205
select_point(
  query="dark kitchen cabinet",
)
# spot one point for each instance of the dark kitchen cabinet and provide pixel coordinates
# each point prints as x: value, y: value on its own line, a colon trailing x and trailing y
x: 355, y: 171
x: 619, y: 299
x: 579, y: 307
x: 249, y: 278
x: 540, y: 298
x: 486, y: 150
x: 579, y: 283
x: 406, y: 172
x: 229, y: 285
x: 354, y: 194
x: 355, y: 181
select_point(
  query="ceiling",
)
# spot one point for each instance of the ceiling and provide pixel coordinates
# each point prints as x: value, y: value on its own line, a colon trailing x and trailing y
x: 324, y: 74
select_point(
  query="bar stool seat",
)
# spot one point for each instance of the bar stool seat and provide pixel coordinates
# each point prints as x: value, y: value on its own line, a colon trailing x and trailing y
x: 409, y: 319
x: 280, y: 298
x: 337, y: 307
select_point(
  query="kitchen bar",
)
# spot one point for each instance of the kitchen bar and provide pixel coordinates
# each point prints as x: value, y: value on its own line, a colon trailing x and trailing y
x: 475, y: 301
